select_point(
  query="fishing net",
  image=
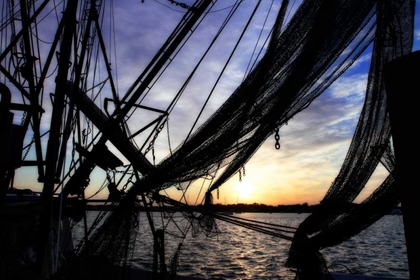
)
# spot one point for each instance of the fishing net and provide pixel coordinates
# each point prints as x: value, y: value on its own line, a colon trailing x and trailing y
x: 321, y: 41
x: 106, y: 252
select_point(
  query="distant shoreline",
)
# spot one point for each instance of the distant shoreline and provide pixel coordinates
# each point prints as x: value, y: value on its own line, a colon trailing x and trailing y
x: 233, y: 208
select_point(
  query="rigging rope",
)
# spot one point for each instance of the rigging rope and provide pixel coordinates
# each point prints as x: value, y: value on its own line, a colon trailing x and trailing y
x: 226, y: 63
x: 275, y: 230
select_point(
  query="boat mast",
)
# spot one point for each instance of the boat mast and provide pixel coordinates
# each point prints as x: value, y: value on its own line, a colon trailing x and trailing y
x: 401, y: 77
x: 55, y: 128
x: 57, y: 112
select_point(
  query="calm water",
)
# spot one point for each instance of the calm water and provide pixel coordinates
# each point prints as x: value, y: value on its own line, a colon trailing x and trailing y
x: 240, y: 253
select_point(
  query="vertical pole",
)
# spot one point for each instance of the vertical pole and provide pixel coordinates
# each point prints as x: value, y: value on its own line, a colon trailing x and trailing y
x: 155, y: 255
x: 159, y: 255
x: 6, y: 121
x: 55, y: 134
x: 401, y: 79
x: 161, y: 237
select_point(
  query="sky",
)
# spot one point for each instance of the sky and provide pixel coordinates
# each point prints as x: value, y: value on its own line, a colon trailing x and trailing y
x: 313, y: 144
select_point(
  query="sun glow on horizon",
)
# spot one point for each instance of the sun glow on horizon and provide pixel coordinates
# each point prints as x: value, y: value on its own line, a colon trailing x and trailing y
x: 244, y: 190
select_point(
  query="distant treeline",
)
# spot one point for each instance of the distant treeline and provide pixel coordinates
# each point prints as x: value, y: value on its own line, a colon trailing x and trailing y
x: 249, y: 208
x: 257, y: 207
x: 237, y: 208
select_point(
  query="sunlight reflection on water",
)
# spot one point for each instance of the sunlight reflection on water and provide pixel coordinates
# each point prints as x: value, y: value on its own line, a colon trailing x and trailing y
x: 240, y: 253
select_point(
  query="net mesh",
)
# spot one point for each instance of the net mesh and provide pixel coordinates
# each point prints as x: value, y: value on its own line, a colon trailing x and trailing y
x: 322, y: 40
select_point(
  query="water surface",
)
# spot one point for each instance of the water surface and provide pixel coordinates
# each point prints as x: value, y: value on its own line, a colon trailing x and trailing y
x: 241, y: 253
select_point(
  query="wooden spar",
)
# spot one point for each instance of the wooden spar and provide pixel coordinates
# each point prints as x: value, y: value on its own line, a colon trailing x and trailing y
x: 115, y: 135
x: 401, y: 80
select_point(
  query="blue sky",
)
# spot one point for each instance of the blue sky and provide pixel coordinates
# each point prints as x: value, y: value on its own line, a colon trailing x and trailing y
x: 313, y: 144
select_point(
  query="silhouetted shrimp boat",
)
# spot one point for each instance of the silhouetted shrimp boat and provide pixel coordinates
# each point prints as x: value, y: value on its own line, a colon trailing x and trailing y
x: 67, y: 132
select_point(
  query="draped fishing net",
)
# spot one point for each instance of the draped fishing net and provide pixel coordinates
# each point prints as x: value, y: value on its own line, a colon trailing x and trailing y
x: 107, y: 252
x: 321, y: 42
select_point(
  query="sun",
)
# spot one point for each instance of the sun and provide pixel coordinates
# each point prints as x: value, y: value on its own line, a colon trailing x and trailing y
x: 244, y: 189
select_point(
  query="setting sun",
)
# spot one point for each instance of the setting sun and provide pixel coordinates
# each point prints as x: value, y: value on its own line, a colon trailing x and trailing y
x: 244, y: 190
